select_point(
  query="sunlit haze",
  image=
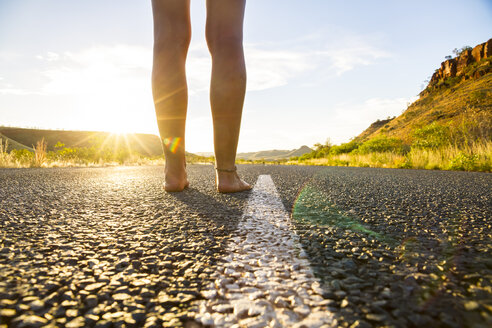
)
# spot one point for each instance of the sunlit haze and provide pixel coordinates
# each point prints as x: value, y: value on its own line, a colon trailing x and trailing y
x: 316, y: 69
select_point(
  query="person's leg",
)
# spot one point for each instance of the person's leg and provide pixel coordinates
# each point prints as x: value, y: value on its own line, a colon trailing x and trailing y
x: 172, y: 34
x: 224, y: 32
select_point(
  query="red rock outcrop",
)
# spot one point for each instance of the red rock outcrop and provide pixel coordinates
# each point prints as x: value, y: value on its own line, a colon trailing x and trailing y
x: 455, y: 66
x: 477, y: 52
x: 463, y: 60
x: 487, y: 49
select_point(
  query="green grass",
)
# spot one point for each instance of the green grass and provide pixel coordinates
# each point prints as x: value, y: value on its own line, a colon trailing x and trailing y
x: 476, y: 156
x: 459, y: 146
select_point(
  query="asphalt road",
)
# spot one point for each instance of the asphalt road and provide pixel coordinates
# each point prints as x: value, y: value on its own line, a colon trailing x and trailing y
x: 108, y: 247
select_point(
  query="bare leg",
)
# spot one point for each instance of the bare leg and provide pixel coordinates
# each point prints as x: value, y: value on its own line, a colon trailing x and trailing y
x: 224, y: 32
x: 172, y: 34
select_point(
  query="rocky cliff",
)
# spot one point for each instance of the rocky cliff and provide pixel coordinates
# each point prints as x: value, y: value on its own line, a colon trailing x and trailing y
x: 456, y: 67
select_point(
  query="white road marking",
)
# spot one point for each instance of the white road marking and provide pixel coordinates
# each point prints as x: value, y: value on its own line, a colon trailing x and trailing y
x: 266, y: 280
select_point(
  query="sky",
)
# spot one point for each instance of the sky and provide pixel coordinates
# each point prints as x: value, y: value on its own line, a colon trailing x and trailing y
x: 317, y: 69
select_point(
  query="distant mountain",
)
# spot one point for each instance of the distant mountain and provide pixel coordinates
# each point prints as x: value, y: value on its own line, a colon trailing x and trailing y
x: 272, y: 155
x: 21, y: 138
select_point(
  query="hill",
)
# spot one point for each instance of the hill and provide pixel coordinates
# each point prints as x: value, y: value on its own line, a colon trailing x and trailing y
x: 22, y: 138
x: 272, y: 155
x: 449, y: 127
x: 458, y: 97
x: 12, y: 144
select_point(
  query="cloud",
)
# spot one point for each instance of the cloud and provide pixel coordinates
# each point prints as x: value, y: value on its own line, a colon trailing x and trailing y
x: 96, y: 70
x: 346, y: 59
x: 10, y: 89
x: 350, y: 119
x: 265, y: 68
x: 376, y: 108
x: 273, y: 65
x: 50, y: 56
x: 269, y: 65
x: 15, y: 91
x: 272, y: 68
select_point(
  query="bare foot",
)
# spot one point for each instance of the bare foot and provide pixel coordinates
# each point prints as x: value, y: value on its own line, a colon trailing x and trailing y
x: 176, y: 178
x: 228, y: 181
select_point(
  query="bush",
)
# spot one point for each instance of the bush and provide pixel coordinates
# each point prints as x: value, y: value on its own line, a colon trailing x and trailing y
x: 381, y: 144
x: 344, y: 148
x: 464, y: 162
x: 23, y: 156
x: 431, y: 136
x: 406, y: 163
x: 452, y: 81
x: 307, y: 156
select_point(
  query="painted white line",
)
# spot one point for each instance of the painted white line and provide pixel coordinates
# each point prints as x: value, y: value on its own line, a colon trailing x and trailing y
x: 265, y: 281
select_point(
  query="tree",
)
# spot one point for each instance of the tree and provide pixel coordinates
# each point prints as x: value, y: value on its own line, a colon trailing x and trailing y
x: 458, y: 52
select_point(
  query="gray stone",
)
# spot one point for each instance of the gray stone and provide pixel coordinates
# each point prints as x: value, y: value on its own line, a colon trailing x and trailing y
x: 29, y: 321
x: 91, y: 301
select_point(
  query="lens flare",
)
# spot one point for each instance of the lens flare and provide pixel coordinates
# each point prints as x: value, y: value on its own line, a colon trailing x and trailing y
x: 312, y: 206
x: 172, y: 143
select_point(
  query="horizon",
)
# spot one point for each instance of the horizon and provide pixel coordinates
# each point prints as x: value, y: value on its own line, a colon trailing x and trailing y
x: 321, y: 71
x: 123, y: 134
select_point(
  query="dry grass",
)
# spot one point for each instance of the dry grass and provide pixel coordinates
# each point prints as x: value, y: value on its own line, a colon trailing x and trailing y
x: 5, y: 156
x: 474, y: 157
x: 40, y: 153
x: 386, y: 159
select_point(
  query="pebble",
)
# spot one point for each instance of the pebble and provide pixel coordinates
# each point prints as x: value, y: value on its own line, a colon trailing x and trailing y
x: 94, y: 287
x: 76, y: 323
x: 360, y: 324
x: 91, y: 301
x: 375, y: 317
x: 27, y: 320
x: 121, y: 297
x: 7, y: 313
x: 241, y: 308
x: 223, y: 308
x: 36, y: 305
x: 471, y: 305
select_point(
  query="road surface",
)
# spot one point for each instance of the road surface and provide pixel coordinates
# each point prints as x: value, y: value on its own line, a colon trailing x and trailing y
x: 309, y: 246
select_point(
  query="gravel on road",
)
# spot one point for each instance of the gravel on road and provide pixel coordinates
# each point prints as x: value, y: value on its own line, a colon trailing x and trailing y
x: 107, y: 247
x: 402, y: 248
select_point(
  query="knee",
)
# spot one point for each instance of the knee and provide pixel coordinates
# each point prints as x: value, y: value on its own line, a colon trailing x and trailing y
x: 175, y: 39
x: 223, y: 43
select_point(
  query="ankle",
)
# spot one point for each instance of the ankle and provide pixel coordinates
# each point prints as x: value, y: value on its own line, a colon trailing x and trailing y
x: 232, y: 169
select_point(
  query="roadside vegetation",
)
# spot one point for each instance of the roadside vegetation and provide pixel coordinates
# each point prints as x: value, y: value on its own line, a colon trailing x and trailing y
x: 62, y: 156
x: 467, y: 147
